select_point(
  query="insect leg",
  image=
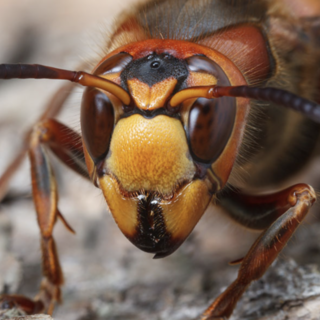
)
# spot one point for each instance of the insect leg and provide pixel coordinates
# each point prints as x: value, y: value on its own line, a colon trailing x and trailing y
x: 289, y: 209
x: 53, y: 108
x: 45, y: 197
x: 66, y: 144
x: 257, y: 212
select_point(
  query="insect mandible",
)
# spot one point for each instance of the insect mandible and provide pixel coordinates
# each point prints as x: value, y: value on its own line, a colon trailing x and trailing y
x: 168, y: 124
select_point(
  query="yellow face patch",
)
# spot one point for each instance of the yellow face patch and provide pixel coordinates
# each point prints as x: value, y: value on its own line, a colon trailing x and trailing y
x: 186, y: 209
x: 124, y: 210
x: 179, y: 214
x: 150, y: 154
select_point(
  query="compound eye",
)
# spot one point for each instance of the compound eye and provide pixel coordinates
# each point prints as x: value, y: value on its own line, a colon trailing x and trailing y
x: 209, y: 128
x: 114, y: 64
x: 97, y: 122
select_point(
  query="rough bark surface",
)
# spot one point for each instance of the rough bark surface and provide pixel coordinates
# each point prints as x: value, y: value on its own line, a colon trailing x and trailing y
x: 106, y: 277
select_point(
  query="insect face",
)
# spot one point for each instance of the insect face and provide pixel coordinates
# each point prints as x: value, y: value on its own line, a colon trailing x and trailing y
x: 167, y: 126
x: 158, y: 165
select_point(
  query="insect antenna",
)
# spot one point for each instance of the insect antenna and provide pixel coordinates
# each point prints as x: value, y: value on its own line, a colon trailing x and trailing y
x: 37, y: 71
x: 278, y: 96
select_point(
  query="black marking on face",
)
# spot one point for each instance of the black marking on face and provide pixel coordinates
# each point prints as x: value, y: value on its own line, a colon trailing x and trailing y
x: 152, y: 235
x: 155, y: 68
x: 150, y: 114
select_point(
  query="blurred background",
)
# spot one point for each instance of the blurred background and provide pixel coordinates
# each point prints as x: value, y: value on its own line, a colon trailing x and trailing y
x: 105, y: 276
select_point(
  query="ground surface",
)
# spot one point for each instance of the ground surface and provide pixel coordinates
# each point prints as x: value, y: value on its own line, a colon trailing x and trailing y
x: 105, y: 276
